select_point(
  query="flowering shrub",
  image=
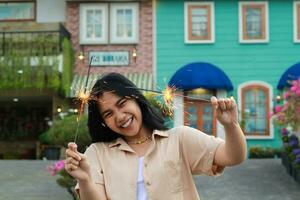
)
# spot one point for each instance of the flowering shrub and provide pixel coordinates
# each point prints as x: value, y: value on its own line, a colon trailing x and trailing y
x: 64, y: 180
x: 289, y: 113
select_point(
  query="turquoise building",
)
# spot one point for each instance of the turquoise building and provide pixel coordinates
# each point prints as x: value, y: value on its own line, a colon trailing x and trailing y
x: 227, y: 48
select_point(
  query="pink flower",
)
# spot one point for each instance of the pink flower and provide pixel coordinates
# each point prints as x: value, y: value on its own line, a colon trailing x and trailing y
x: 277, y: 109
x: 51, y: 170
x: 271, y: 114
x: 286, y: 95
x: 293, y: 88
x: 59, y: 165
x: 295, y: 83
x: 298, y: 92
x: 56, y: 167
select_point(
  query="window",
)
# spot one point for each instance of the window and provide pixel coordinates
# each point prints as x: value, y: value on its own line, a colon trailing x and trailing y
x: 93, y: 23
x: 17, y: 11
x: 199, y: 22
x: 109, y: 23
x: 124, y: 23
x: 255, y: 108
x: 296, y: 21
x: 253, y: 22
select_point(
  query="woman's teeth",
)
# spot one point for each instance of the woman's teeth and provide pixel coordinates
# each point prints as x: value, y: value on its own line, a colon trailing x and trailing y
x: 127, y: 123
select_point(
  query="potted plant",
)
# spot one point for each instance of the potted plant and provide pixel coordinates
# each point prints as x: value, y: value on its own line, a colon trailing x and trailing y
x: 63, y: 131
x: 296, y: 164
x: 296, y: 167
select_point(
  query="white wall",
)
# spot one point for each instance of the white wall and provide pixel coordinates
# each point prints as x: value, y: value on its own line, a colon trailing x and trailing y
x: 50, y: 11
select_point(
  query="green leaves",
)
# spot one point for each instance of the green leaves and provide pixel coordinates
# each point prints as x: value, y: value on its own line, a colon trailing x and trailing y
x: 32, y: 61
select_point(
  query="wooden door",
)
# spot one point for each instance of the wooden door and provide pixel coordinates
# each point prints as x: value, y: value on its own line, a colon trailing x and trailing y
x: 199, y: 114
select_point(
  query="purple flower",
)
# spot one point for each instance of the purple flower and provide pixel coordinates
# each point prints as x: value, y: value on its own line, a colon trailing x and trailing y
x: 296, y: 151
x: 294, y: 143
x: 297, y: 161
x: 294, y: 137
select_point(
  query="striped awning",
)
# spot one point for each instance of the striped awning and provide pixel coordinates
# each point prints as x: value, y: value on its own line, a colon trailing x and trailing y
x: 141, y: 80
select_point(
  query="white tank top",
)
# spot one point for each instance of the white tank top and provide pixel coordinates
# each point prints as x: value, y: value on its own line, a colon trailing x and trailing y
x: 141, y: 190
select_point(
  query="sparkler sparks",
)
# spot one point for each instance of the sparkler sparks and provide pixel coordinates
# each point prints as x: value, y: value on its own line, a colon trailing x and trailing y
x: 83, y: 96
x: 168, y: 95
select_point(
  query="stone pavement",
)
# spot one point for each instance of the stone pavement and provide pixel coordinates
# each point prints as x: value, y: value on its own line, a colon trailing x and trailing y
x: 253, y: 180
x: 29, y: 180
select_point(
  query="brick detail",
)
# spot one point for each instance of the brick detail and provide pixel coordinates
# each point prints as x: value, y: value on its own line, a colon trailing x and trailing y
x: 144, y: 59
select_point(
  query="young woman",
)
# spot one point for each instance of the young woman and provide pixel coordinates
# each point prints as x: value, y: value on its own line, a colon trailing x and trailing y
x: 134, y: 156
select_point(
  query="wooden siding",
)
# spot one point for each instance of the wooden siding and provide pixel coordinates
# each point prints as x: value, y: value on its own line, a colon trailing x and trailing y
x: 241, y: 62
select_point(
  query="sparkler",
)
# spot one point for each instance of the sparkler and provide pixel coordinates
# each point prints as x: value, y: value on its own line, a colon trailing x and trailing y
x: 83, y: 96
x: 168, y: 95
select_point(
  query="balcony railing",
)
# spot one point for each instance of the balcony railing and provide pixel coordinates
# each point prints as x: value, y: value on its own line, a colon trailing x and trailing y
x: 37, y: 42
x: 35, y: 56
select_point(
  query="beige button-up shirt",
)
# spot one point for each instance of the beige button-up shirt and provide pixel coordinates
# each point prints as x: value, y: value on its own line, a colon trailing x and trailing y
x: 171, y: 160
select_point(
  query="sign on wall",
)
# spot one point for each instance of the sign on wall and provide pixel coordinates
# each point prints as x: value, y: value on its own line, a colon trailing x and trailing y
x: 109, y: 58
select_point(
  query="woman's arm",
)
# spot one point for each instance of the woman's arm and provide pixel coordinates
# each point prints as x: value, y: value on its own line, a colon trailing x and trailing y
x: 91, y: 191
x: 77, y: 166
x: 233, y: 151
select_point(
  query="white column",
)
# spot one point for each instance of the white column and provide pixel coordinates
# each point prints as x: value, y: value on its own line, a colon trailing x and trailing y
x: 178, y: 109
x: 220, y: 128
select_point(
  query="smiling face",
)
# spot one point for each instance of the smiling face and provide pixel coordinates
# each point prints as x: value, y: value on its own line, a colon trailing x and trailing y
x: 122, y: 115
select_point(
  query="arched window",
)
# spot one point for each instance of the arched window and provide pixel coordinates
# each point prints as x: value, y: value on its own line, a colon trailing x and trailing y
x: 255, y: 109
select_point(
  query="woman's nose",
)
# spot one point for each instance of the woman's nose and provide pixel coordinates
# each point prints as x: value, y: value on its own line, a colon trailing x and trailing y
x: 120, y: 117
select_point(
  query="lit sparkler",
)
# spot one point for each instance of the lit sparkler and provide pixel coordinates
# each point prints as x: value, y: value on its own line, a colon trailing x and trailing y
x: 83, y: 96
x: 168, y: 95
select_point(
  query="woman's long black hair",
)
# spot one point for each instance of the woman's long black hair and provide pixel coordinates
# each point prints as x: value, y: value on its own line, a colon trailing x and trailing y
x: 122, y: 87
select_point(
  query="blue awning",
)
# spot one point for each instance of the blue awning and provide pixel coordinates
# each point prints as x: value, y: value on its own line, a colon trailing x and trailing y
x: 200, y: 75
x: 290, y: 74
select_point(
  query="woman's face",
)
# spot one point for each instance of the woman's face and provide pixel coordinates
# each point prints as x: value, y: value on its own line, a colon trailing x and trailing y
x: 122, y: 115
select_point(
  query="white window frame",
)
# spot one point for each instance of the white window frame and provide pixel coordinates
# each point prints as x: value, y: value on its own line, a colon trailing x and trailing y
x: 114, y: 39
x: 241, y: 25
x: 296, y: 22
x: 186, y: 22
x: 82, y: 24
x: 270, y: 88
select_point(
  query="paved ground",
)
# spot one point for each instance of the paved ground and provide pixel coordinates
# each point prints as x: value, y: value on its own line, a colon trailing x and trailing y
x: 253, y: 180
x: 29, y: 180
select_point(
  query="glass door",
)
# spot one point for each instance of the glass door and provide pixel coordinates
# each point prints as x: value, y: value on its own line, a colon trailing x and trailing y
x: 199, y: 114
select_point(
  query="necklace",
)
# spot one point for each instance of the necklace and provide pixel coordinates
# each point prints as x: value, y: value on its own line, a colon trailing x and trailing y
x: 140, y: 141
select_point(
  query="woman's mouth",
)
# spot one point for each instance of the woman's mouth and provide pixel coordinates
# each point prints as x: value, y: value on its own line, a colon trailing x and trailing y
x: 127, y: 123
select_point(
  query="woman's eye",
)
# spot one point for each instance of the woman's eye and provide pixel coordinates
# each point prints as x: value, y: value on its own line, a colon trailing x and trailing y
x: 122, y: 103
x: 106, y: 115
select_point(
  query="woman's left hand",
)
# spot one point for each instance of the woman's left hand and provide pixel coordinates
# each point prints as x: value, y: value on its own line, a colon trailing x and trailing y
x: 226, y: 109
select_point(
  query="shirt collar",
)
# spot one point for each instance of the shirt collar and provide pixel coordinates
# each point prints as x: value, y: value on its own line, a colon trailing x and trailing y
x: 124, y: 146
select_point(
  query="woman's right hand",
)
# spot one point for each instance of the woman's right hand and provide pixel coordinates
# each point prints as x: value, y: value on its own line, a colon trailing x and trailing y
x: 76, y: 164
